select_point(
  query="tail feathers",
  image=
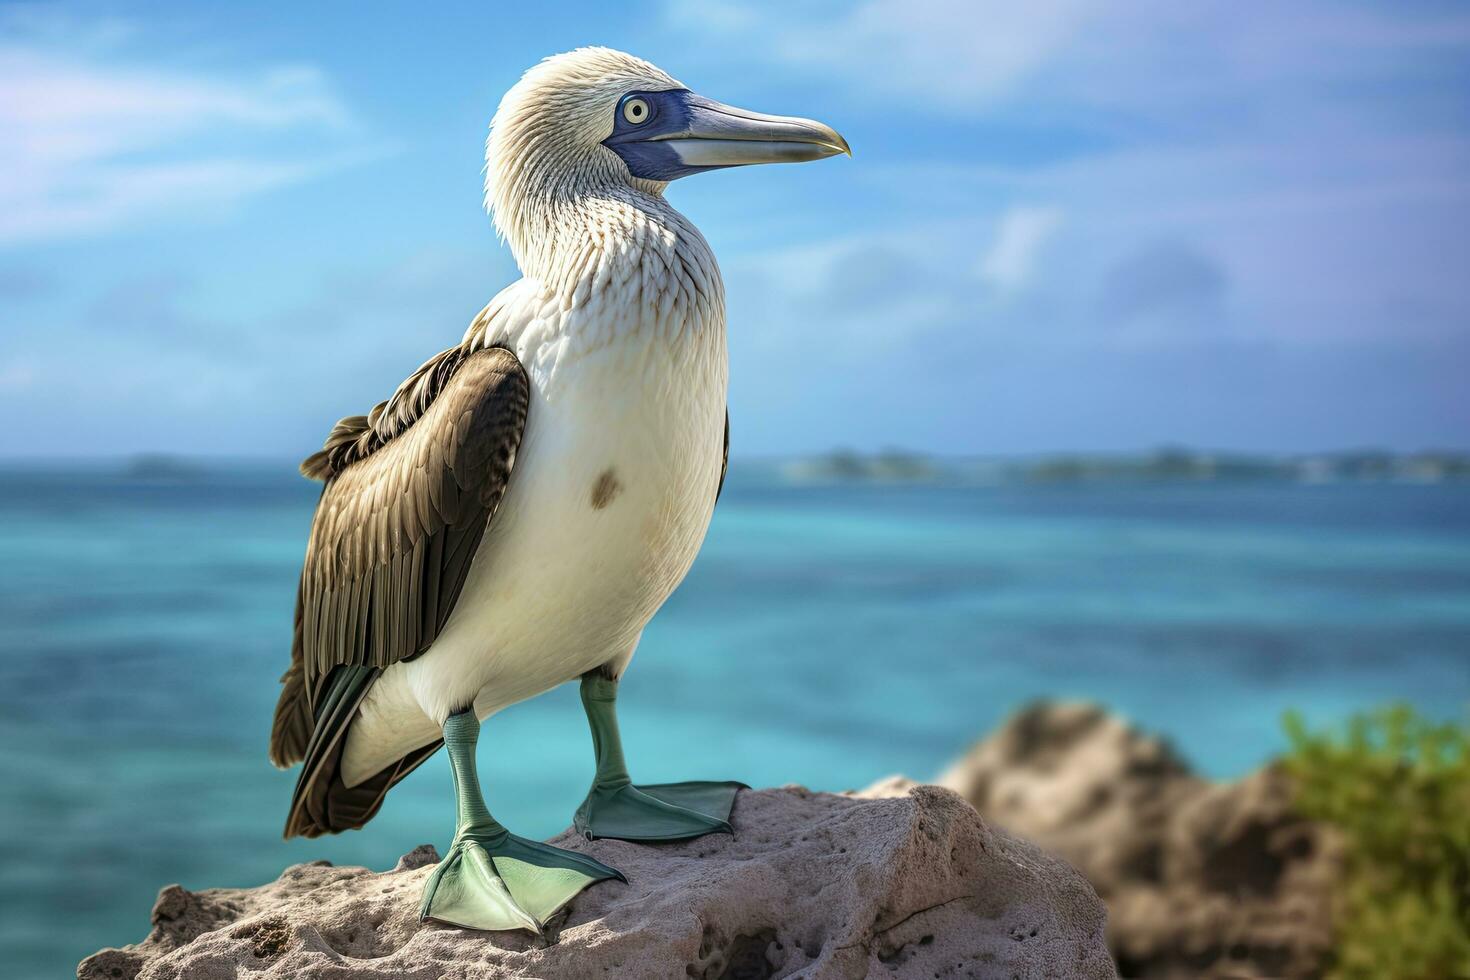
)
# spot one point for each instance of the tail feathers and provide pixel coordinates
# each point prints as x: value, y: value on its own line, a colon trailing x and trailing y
x: 322, y: 803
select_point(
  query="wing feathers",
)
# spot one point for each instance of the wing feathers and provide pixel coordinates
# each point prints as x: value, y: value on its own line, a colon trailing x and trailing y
x: 410, y: 490
x: 724, y: 458
x: 379, y: 513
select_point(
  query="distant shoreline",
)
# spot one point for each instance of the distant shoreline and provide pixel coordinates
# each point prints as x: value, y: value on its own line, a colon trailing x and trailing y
x: 1162, y: 465
x: 896, y: 466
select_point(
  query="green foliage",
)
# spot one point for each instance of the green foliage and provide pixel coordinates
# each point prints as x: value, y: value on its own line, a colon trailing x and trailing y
x: 1398, y: 788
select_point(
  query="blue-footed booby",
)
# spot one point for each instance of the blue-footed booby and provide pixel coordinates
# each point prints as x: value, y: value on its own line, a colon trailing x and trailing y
x: 515, y: 514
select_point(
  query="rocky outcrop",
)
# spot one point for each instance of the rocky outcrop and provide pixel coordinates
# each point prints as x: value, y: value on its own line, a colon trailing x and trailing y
x: 1201, y: 879
x: 811, y: 885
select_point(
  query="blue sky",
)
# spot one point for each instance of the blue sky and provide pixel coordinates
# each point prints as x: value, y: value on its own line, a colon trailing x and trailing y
x: 1071, y: 225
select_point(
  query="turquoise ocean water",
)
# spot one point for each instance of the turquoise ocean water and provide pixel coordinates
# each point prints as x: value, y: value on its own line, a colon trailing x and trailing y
x: 827, y: 636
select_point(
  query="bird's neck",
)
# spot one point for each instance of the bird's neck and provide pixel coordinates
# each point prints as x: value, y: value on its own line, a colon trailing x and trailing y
x: 576, y: 241
x: 626, y: 241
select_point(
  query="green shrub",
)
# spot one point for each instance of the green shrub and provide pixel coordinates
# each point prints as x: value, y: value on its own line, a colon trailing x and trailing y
x: 1398, y: 788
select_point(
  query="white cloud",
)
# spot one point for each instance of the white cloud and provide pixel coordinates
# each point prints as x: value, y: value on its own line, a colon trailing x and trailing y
x: 1020, y: 236
x: 1144, y: 56
x: 90, y: 140
x: 947, y: 52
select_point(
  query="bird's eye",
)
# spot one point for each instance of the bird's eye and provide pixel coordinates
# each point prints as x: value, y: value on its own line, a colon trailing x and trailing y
x: 636, y: 111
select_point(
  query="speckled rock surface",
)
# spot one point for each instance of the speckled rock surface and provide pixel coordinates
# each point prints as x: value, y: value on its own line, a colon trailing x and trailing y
x: 812, y: 885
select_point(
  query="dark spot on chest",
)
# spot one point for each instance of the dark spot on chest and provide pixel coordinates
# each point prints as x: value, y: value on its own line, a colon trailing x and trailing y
x: 605, y: 488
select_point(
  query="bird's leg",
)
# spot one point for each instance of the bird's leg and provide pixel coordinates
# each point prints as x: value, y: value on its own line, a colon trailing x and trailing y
x: 491, y: 878
x: 614, y: 807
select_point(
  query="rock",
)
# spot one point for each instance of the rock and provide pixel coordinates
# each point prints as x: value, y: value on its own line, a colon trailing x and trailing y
x: 811, y: 885
x: 1200, y: 879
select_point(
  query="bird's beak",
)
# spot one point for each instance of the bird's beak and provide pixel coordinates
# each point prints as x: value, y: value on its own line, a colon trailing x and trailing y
x: 718, y: 135
x: 689, y: 134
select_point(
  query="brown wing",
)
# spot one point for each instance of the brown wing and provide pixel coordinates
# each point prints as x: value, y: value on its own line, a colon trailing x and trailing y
x: 398, y: 524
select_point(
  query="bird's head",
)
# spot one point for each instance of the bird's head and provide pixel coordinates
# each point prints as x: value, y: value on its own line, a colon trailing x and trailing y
x: 595, y: 118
